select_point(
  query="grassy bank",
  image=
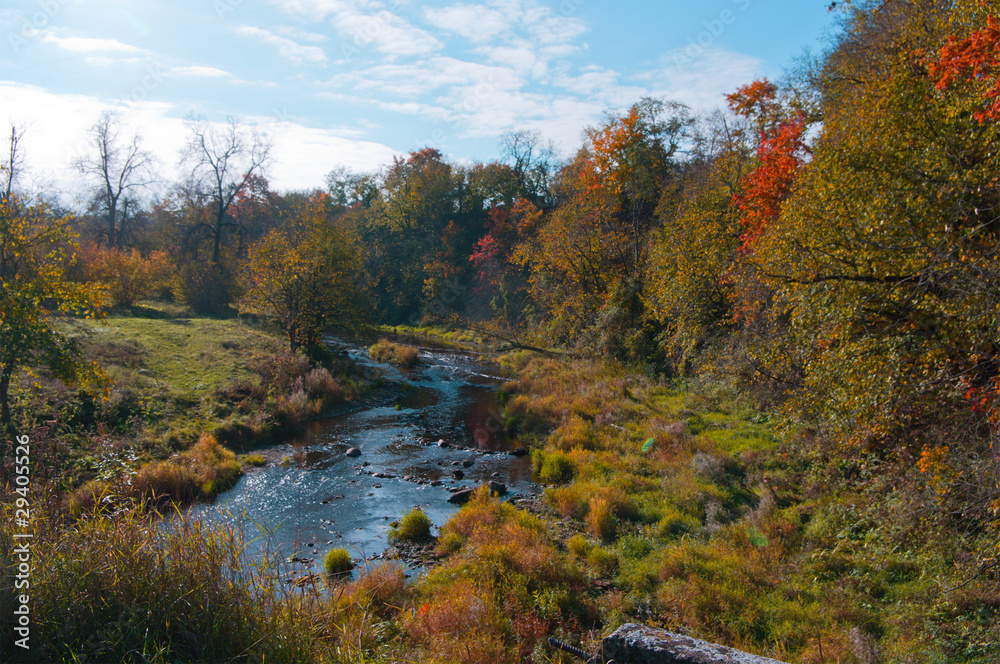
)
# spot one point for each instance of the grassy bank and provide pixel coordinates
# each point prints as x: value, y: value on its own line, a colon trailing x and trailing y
x: 693, y: 513
x: 176, y: 392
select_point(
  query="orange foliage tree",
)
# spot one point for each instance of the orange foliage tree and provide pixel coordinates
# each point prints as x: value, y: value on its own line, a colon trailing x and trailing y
x: 973, y: 61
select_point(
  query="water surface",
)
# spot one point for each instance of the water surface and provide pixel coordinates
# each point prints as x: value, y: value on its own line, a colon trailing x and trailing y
x: 311, y: 497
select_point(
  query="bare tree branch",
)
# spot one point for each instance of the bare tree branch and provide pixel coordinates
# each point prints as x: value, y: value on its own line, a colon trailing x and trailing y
x: 223, y: 160
x: 121, y: 166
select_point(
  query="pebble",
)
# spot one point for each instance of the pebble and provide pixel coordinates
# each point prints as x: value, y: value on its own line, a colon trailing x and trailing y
x: 353, y: 452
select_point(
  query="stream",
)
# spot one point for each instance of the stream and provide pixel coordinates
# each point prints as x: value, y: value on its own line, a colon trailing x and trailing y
x: 414, y: 433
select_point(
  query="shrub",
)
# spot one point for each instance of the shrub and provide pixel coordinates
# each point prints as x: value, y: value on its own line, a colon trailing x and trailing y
x: 601, y: 521
x: 202, y: 471
x: 575, y: 432
x: 297, y: 407
x: 204, y: 286
x: 279, y: 371
x: 579, y: 546
x: 674, y: 523
x: 387, y: 351
x: 378, y: 588
x: 319, y: 383
x: 552, y: 468
x: 128, y: 276
x: 337, y: 562
x: 602, y: 561
x: 415, y: 527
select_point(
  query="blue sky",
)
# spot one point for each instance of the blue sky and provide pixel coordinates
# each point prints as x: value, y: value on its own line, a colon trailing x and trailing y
x: 337, y: 82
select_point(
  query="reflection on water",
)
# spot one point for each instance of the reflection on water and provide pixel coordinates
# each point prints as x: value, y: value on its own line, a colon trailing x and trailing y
x: 311, y: 497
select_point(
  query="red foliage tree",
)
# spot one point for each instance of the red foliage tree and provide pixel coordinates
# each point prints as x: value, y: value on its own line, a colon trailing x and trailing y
x: 975, y: 60
x: 780, y: 156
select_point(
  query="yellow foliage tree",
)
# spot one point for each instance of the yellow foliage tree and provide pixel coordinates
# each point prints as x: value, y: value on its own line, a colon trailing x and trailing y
x: 304, y: 276
x: 35, y: 291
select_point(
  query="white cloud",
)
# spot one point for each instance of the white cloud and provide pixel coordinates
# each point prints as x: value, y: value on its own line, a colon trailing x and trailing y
x: 304, y: 155
x: 287, y: 48
x: 320, y: 9
x: 57, y: 126
x: 699, y: 77
x: 476, y: 23
x: 201, y: 71
x: 384, y: 32
x: 90, y: 44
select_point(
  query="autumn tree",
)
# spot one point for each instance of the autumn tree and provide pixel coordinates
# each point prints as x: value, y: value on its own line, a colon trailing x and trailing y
x: 588, y: 258
x: 697, y: 243
x: 223, y: 162
x: 122, y: 168
x: 884, y: 259
x: 304, y: 275
x: 630, y: 160
x: 35, y: 248
x: 418, y: 232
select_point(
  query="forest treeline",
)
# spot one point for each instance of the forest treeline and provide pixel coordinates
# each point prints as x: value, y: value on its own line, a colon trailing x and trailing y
x: 828, y: 243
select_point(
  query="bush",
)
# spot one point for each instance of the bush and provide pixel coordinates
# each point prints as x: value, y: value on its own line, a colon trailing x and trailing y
x: 201, y: 472
x: 415, y: 527
x: 278, y: 372
x: 255, y: 460
x: 128, y: 276
x: 319, y: 383
x: 387, y: 351
x: 205, y: 287
x: 601, y: 522
x: 338, y: 562
x: 552, y: 468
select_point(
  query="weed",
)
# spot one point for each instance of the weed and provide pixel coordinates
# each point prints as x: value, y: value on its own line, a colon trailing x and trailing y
x: 254, y: 460
x: 414, y: 527
x: 337, y: 562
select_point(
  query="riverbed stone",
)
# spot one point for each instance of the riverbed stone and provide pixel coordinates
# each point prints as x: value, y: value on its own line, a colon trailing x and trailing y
x: 353, y: 452
x: 461, y: 497
x: 497, y: 488
x: 639, y: 644
x: 458, y: 474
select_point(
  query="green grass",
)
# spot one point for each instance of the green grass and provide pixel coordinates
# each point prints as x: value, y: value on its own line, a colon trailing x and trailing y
x: 337, y: 562
x: 184, y: 352
x: 455, y: 338
x: 781, y: 544
x: 414, y: 527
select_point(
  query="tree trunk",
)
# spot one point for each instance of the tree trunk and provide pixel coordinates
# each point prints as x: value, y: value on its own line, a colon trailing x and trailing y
x: 4, y: 393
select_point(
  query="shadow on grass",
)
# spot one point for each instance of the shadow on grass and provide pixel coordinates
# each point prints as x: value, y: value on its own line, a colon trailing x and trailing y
x: 174, y: 313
